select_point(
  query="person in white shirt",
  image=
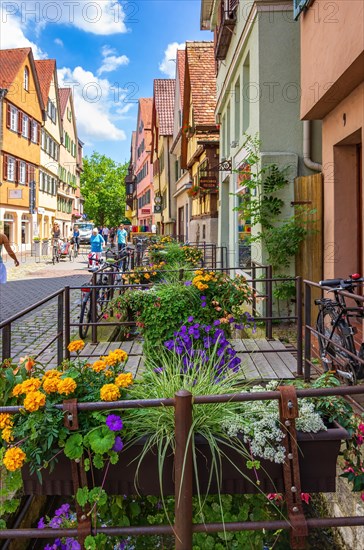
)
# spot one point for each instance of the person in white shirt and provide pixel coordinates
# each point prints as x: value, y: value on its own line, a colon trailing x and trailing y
x: 105, y: 233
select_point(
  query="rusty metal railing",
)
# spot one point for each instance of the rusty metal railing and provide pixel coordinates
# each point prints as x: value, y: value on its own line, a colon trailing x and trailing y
x: 183, y: 528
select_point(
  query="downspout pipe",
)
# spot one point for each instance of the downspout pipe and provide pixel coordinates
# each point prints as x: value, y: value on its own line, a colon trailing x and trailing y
x: 308, y: 162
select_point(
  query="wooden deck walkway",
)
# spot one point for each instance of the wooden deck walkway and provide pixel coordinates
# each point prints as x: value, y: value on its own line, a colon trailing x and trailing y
x: 262, y: 359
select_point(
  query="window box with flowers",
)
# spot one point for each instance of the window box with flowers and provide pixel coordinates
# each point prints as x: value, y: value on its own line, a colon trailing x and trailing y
x: 193, y: 191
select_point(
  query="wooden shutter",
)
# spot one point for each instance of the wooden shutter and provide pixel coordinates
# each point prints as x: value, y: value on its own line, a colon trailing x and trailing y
x: 20, y: 123
x: 8, y: 115
x: 30, y: 128
x: 38, y: 133
x: 27, y: 174
x: 16, y: 171
x: 5, y: 167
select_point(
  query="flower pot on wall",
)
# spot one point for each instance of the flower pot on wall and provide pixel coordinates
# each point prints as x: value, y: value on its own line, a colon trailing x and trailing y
x: 317, y: 457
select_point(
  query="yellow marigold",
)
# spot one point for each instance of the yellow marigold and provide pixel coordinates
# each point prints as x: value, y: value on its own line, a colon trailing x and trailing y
x: 5, y: 420
x: 30, y: 385
x: 66, y: 385
x: 108, y: 373
x: 7, y: 434
x: 121, y: 354
x: 50, y: 385
x: 124, y: 380
x: 52, y: 374
x: 14, y: 459
x: 34, y: 400
x: 99, y: 366
x: 109, y: 392
x: 18, y: 390
x: 76, y: 345
x: 146, y: 275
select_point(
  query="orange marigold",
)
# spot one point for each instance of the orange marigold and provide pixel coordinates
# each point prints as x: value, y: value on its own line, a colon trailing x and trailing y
x: 32, y: 384
x: 50, y: 385
x: 34, y: 400
x: 120, y: 354
x: 14, y: 459
x: 7, y: 434
x: 109, y: 392
x: 66, y: 385
x: 5, y: 420
x: 76, y: 345
x: 124, y: 380
x: 99, y: 366
x: 52, y: 374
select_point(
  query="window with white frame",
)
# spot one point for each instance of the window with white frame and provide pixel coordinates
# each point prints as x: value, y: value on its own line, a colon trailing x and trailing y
x: 22, y: 172
x: 42, y: 141
x: 13, y: 118
x: 25, y: 126
x: 34, y: 131
x: 26, y: 79
x: 11, y: 169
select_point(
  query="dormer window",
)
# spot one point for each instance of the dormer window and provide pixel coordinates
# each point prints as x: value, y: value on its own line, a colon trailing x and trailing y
x: 26, y: 79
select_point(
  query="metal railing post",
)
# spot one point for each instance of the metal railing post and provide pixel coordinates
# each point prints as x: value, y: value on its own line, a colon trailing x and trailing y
x: 183, y: 470
x: 299, y: 324
x: 268, y: 326
x: 6, y: 351
x: 254, y: 304
x: 94, y: 309
x: 307, y: 321
x: 181, y: 274
x: 60, y: 339
x: 67, y: 321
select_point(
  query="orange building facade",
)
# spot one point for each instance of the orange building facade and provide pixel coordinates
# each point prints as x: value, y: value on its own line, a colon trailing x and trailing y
x: 332, y: 82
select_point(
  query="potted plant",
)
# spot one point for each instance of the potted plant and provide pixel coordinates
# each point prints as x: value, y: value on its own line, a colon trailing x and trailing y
x: 193, y: 191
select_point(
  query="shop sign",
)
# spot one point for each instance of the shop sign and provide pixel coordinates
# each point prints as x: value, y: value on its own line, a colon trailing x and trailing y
x: 208, y: 182
x: 15, y: 193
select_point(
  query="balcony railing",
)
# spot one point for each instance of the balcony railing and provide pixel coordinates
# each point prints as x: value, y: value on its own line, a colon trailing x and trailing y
x: 225, y: 27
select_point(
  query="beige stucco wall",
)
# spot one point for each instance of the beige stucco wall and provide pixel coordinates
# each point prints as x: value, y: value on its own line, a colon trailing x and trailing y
x: 340, y: 208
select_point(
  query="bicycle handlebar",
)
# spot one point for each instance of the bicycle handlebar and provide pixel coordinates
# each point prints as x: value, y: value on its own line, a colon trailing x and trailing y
x: 343, y: 283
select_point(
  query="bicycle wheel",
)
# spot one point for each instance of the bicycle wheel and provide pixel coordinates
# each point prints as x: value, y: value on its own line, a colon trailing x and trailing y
x: 85, y: 317
x: 340, y: 333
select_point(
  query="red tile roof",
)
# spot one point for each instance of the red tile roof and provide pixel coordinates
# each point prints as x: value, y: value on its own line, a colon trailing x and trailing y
x: 64, y: 94
x: 45, y: 70
x: 200, y: 63
x: 11, y: 62
x: 146, y: 108
x: 181, y: 61
x: 164, y: 104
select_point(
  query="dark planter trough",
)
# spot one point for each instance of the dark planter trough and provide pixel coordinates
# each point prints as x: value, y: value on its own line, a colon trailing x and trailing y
x: 317, y: 457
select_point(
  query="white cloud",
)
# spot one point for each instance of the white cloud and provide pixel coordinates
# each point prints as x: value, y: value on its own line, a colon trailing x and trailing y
x: 168, y: 65
x: 14, y: 37
x: 102, y: 17
x: 59, y: 42
x: 96, y: 100
x: 111, y: 61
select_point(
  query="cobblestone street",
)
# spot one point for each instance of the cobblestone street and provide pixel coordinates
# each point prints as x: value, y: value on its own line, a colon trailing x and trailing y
x: 29, y: 283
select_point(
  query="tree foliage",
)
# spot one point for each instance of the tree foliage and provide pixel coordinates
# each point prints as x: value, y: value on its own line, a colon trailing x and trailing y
x: 103, y: 188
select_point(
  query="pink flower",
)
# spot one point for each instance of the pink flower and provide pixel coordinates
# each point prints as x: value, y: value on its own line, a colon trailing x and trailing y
x: 362, y: 497
x: 360, y: 439
x: 350, y: 469
x: 361, y: 428
x: 106, y: 316
x: 306, y: 497
x: 118, y: 315
x: 274, y: 496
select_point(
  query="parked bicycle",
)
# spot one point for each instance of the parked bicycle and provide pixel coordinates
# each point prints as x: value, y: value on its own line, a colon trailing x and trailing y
x: 108, y: 277
x: 338, y: 349
x: 141, y: 245
x: 55, y: 250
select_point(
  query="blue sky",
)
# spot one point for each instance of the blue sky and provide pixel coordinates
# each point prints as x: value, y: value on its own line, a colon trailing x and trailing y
x: 108, y: 51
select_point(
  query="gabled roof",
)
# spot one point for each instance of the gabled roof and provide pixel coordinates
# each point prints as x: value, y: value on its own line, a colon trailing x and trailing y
x: 64, y: 94
x: 181, y: 61
x: 45, y: 70
x: 200, y: 64
x: 163, y: 98
x: 10, y: 64
x: 146, y: 107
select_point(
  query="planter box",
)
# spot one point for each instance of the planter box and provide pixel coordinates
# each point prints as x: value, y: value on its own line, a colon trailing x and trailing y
x: 317, y: 456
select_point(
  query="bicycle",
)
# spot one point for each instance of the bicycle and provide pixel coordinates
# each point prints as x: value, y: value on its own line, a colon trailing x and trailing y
x: 55, y: 251
x: 108, y: 276
x: 338, y: 348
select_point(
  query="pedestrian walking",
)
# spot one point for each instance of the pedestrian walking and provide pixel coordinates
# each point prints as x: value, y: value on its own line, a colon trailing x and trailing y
x: 122, y: 237
x: 5, y: 241
x: 105, y: 233
x: 97, y: 244
x: 112, y: 235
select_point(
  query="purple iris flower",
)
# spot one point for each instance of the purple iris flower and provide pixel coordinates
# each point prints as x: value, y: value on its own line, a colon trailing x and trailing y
x: 118, y: 444
x: 63, y: 510
x: 114, y: 422
x: 207, y: 328
x: 159, y: 370
x: 190, y: 319
x: 72, y: 544
x: 188, y: 283
x: 216, y: 323
x: 203, y: 304
x: 41, y: 524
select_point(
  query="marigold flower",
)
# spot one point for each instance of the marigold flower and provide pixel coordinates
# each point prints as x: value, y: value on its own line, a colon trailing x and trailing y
x: 109, y: 392
x: 50, y: 385
x: 5, y: 420
x: 124, y: 380
x: 34, y: 400
x: 121, y: 354
x: 17, y: 390
x: 14, y: 459
x: 99, y: 366
x: 66, y: 385
x: 76, y: 345
x: 52, y: 374
x: 7, y: 434
x: 30, y: 385
x: 146, y: 275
